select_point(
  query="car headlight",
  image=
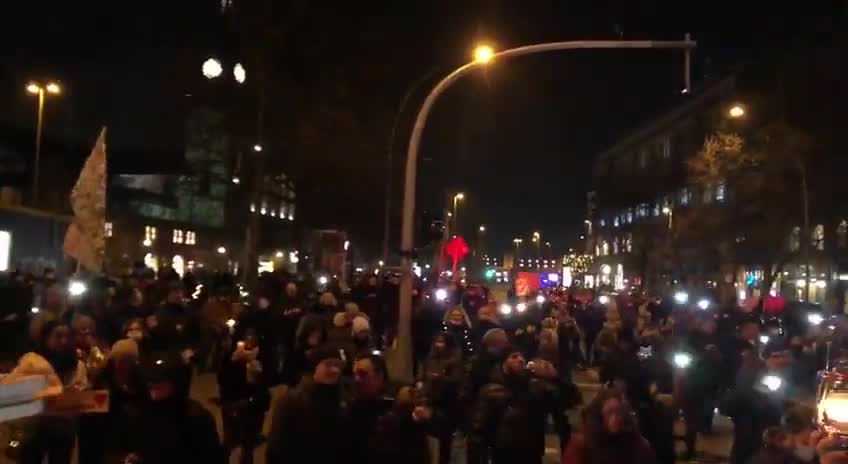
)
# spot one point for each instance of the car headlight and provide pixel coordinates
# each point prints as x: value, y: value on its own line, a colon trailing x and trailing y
x: 764, y: 339
x: 815, y: 318
x: 506, y: 309
x: 682, y: 360
x: 441, y: 294
x: 603, y: 299
x: 540, y: 299
x: 681, y: 297
x: 703, y: 304
x: 521, y: 307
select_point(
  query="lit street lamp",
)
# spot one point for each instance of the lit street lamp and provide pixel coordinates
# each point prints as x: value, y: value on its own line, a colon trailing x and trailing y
x: 481, y: 57
x: 34, y: 88
x: 456, y: 199
x: 736, y: 111
x: 670, y: 213
x: 482, y: 228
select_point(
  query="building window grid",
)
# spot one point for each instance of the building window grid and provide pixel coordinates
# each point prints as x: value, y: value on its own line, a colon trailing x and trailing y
x: 150, y: 233
x: 190, y: 238
x: 177, y: 236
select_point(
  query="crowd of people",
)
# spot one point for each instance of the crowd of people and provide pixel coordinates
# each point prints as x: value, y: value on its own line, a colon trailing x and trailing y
x: 496, y: 375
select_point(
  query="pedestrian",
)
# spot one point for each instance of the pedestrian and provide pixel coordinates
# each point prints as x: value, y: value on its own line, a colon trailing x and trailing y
x: 775, y: 449
x: 479, y: 369
x: 311, y: 335
x: 362, y: 339
x: 94, y: 355
x: 171, y: 427
x: 457, y: 323
x: 245, y: 397
x: 130, y: 306
x: 175, y: 326
x: 440, y: 377
x: 51, y: 437
x: 487, y: 319
x: 327, y: 305
x: 510, y: 416
x: 610, y: 434
x: 259, y: 320
x: 127, y: 394
x: 285, y: 326
x: 401, y: 434
x: 312, y: 423
x: 371, y: 400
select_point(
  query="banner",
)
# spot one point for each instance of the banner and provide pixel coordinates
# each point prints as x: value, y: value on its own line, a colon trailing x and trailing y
x: 84, y: 239
x: 527, y: 283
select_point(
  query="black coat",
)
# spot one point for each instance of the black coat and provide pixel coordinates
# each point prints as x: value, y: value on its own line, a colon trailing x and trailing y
x: 510, y: 419
x: 364, y: 414
x: 183, y: 431
x: 399, y: 439
x: 177, y: 328
x: 310, y: 424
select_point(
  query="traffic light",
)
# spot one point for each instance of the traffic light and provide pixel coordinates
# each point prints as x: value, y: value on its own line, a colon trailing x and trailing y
x: 490, y: 274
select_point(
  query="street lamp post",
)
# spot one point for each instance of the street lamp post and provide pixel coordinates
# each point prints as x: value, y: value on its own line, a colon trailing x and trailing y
x: 40, y: 91
x: 482, y: 56
x: 670, y: 213
x: 456, y: 198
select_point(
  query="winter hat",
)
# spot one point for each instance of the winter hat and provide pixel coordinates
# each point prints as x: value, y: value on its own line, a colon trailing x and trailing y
x: 123, y: 349
x: 491, y: 333
x: 360, y: 324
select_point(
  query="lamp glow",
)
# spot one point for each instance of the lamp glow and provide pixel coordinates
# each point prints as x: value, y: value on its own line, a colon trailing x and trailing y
x: 483, y: 54
x: 34, y: 310
x: 736, y: 111
x: 703, y: 304
x: 540, y: 299
x: 764, y: 339
x: 521, y: 307
x: 231, y: 323
x: 441, y: 294
x: 682, y: 360
x: 681, y: 297
x: 239, y: 73
x: 212, y: 68
x: 603, y: 299
x: 506, y: 309
x: 772, y: 382
x: 815, y: 318
x: 76, y: 288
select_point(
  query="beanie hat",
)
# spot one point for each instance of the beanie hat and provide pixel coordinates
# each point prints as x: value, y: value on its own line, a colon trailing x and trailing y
x: 360, y: 324
x: 123, y: 349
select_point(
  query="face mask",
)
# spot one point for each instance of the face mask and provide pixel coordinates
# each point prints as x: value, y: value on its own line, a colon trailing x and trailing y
x: 805, y: 453
x: 264, y: 303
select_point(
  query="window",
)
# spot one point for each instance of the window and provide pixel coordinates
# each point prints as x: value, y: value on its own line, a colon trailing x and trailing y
x: 642, y: 210
x: 628, y: 242
x: 5, y: 249
x: 818, y: 237
x: 597, y: 250
x: 842, y: 234
x: 685, y: 196
x: 643, y: 157
x: 795, y: 239
x: 150, y: 233
x: 720, y: 191
x: 190, y: 238
x: 602, y: 222
x: 708, y: 195
x: 666, y: 148
x: 657, y: 209
x: 177, y: 236
x: 107, y: 229
x: 605, y: 248
x: 615, y: 245
x: 615, y: 222
x: 283, y: 211
x: 630, y: 215
x: 291, y: 213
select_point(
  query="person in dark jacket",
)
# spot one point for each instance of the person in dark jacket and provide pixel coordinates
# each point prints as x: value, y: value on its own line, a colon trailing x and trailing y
x: 311, y: 335
x: 401, y: 433
x: 610, y: 434
x: 171, y: 427
x: 244, y: 397
x: 175, y: 325
x: 457, y: 323
x: 132, y: 308
x: 440, y: 376
x: 312, y: 423
x: 370, y: 401
x: 259, y: 320
x: 286, y: 324
x: 487, y: 319
x: 478, y: 371
x: 509, y: 419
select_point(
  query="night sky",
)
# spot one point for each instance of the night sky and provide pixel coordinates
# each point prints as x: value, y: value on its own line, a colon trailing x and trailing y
x: 518, y: 138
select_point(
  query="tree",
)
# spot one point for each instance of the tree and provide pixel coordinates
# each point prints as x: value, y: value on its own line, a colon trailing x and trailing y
x: 760, y: 202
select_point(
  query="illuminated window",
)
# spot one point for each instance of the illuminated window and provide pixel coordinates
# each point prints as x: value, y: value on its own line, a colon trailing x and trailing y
x: 151, y: 262
x: 178, y: 264
x: 615, y: 222
x: 628, y: 242
x: 107, y: 229
x: 177, y: 236
x: 630, y: 215
x: 605, y: 248
x: 842, y: 234
x: 615, y: 246
x: 666, y: 148
x: 708, y: 195
x: 685, y: 196
x: 818, y: 237
x: 150, y: 233
x: 283, y: 211
x: 720, y: 191
x: 5, y: 249
x: 190, y: 237
x: 795, y: 239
